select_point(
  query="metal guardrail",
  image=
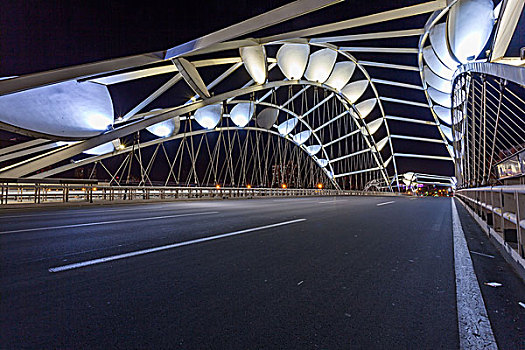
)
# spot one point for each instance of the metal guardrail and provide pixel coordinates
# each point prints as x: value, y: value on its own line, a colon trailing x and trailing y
x: 13, y: 193
x: 503, y: 209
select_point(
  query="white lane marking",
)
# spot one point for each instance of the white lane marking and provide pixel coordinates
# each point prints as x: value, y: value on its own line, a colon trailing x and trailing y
x: 107, y: 222
x: 481, y: 254
x: 166, y: 247
x: 385, y: 203
x: 332, y: 201
x: 83, y: 211
x: 475, y: 331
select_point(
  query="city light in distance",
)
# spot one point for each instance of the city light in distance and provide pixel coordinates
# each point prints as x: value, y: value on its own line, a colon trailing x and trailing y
x: 319, y: 185
x: 217, y: 186
x: 248, y: 186
x: 283, y: 186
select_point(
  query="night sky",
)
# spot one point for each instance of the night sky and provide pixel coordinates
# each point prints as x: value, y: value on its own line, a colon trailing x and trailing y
x: 43, y: 35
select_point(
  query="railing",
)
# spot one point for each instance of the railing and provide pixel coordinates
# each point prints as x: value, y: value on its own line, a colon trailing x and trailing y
x: 16, y: 193
x: 502, y: 208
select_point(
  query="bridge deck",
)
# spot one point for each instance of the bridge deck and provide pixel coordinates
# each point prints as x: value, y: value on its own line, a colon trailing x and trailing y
x: 358, y: 272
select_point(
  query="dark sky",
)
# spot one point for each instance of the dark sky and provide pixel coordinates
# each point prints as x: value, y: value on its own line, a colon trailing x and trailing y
x: 43, y: 35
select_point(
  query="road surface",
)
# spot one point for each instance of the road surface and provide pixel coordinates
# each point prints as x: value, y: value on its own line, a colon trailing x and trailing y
x: 289, y: 273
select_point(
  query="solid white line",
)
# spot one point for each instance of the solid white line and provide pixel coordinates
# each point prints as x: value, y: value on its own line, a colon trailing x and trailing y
x: 106, y: 222
x: 482, y: 254
x: 385, y: 203
x: 83, y: 212
x: 475, y: 331
x: 332, y: 201
x: 166, y: 247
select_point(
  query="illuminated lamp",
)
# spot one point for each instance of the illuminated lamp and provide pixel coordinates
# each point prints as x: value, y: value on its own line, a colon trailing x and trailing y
x: 436, y: 65
x: 209, y: 116
x: 380, y: 145
x: 469, y: 26
x: 434, y: 80
x: 438, y: 40
x: 254, y: 59
x: 322, y: 162
x: 366, y: 107
x: 439, y: 97
x: 286, y: 127
x: 313, y: 150
x: 242, y: 113
x: 355, y: 90
x: 320, y: 65
x: 443, y: 114
x: 67, y: 109
x: 302, y: 137
x: 446, y: 131
x: 341, y: 74
x: 372, y: 126
x: 292, y: 60
x: 165, y: 128
x: 104, y: 148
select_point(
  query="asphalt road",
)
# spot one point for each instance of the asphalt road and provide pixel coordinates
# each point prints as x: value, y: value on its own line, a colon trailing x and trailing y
x: 305, y: 273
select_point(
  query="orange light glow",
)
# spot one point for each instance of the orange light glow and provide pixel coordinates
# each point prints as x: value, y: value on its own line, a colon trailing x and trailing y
x: 283, y: 185
x: 319, y: 185
x: 248, y: 186
x: 217, y: 186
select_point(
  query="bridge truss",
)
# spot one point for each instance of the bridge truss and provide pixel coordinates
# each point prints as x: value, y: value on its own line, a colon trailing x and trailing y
x: 326, y: 105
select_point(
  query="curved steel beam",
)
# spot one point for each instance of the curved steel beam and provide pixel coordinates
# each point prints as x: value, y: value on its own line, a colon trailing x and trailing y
x: 125, y: 150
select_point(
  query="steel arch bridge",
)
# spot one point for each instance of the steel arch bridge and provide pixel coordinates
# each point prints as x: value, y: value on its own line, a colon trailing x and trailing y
x: 233, y: 108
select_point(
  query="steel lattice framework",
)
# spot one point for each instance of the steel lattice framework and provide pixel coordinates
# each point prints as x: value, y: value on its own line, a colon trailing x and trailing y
x: 297, y: 108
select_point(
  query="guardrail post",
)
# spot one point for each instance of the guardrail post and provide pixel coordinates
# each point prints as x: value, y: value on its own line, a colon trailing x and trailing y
x: 520, y: 214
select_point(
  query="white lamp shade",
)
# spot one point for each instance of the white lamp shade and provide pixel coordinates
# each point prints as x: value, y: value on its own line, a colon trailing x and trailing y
x: 267, y: 117
x: 435, y: 64
x: 254, y: 59
x: 341, y: 74
x: 287, y: 127
x: 292, y: 60
x: 320, y: 65
x: 302, y: 137
x: 322, y: 162
x: 447, y: 131
x: 242, y: 113
x: 209, y: 116
x: 381, y: 144
x: 104, y: 148
x: 313, y: 150
x: 434, y: 80
x: 469, y: 26
x: 67, y: 109
x: 165, y: 128
x: 372, y: 127
x: 444, y: 114
x: 366, y: 107
x: 438, y: 40
x: 355, y: 90
x: 439, y: 97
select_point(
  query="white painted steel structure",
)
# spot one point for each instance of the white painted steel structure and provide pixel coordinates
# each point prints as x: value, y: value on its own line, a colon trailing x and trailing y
x: 322, y: 99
